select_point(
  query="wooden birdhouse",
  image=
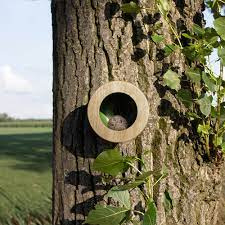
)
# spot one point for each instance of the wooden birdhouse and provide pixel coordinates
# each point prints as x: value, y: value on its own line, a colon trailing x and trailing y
x: 118, y: 111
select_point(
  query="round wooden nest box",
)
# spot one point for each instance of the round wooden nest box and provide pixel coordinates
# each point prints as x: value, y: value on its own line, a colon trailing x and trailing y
x: 118, y: 111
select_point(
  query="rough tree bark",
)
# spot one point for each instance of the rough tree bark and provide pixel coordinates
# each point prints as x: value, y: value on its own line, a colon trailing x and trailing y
x: 93, y: 46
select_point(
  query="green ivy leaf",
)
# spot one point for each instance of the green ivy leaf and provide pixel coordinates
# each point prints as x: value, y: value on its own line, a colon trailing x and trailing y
x: 209, y: 82
x: 172, y: 80
x: 111, y: 162
x: 187, y: 36
x: 140, y: 180
x: 219, y: 25
x: 131, y: 185
x: 211, y: 35
x: 222, y: 92
x: 214, y: 3
x: 164, y: 6
x: 185, y: 96
x: 214, y: 113
x: 104, y: 215
x: 222, y: 110
x: 167, y: 201
x: 193, y: 116
x: 104, y: 118
x: 203, y: 129
x: 194, y: 75
x: 168, y: 49
x: 221, y: 130
x: 214, y: 42
x: 150, y: 215
x: 222, y: 43
x: 190, y: 52
x: 164, y: 171
x: 221, y: 54
x: 145, y: 175
x: 204, y: 51
x: 218, y: 141
x: 157, y: 38
x: 131, y: 7
x: 223, y: 147
x: 198, y: 30
x: 121, y: 196
x: 205, y: 105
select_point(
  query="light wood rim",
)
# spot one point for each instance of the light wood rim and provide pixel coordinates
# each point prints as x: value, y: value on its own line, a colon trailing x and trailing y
x: 142, y: 111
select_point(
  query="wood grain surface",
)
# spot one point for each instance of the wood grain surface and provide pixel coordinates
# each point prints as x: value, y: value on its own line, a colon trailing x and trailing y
x: 142, y: 111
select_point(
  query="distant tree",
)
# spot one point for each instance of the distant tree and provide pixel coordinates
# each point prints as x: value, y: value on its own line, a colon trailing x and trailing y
x: 5, y: 117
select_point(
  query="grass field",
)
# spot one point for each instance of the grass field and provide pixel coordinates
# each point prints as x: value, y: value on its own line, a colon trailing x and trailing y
x: 26, y: 123
x: 25, y: 176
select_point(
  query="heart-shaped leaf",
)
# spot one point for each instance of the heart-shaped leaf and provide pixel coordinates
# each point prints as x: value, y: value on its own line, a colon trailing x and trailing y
x: 168, y: 49
x: 111, y: 162
x: 172, y: 80
x: 157, y: 38
x: 106, y: 215
x: 150, y: 215
x: 130, y: 7
x: 198, y: 30
x: 138, y: 181
x: 205, y: 105
x: 131, y: 185
x: 186, y: 97
x: 219, y: 25
x: 209, y: 82
x: 221, y: 54
x: 218, y: 141
x: 203, y: 129
x: 163, y: 6
x: 121, y: 196
x: 194, y: 75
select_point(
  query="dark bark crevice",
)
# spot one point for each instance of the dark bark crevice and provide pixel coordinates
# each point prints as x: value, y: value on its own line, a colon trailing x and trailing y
x: 109, y: 65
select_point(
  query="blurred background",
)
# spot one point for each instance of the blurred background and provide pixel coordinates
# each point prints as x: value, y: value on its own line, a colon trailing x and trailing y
x: 25, y: 112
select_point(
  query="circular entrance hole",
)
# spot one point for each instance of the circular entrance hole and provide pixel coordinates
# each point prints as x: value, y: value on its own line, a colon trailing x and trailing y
x: 118, y: 111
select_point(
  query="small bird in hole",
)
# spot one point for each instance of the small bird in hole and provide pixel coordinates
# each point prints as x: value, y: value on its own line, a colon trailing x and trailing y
x: 117, y: 122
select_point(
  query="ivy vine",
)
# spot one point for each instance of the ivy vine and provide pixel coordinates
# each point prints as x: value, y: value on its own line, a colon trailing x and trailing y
x: 112, y: 163
x: 204, y: 99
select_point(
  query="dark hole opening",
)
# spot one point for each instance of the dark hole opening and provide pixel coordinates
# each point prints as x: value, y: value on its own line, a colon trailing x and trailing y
x: 118, y: 111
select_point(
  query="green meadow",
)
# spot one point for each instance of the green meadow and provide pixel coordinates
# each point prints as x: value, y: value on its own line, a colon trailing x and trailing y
x: 25, y: 175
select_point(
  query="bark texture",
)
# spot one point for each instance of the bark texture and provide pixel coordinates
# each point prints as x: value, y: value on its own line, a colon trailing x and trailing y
x: 95, y: 43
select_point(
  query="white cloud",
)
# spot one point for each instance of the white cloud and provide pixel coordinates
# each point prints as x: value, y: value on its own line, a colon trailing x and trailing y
x: 12, y: 82
x: 25, y: 106
x: 25, y: 96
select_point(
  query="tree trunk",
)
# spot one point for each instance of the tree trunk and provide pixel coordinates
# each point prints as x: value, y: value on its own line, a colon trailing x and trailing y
x: 95, y: 43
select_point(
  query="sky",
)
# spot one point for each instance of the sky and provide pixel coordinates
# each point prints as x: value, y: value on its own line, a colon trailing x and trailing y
x: 26, y: 58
